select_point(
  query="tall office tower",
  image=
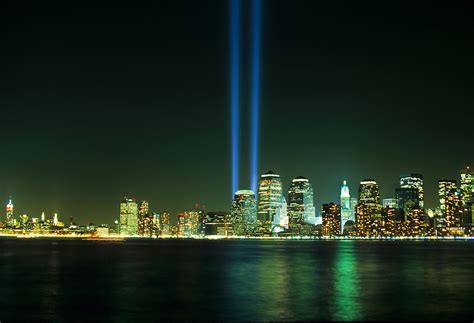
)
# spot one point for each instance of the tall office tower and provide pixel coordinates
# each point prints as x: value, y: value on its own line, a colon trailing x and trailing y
x: 43, y: 217
x: 415, y: 182
x: 416, y: 225
x: 450, y: 202
x: 369, y: 192
x: 188, y: 224
x: 364, y: 221
x: 467, y: 196
x: 143, y: 208
x: 165, y: 224
x: 347, y: 213
x: 269, y: 200
x: 389, y: 223
x: 331, y: 214
x: 9, y: 212
x: 244, y: 213
x: 281, y: 216
x: 128, y: 217
x: 55, y: 219
x: 300, y: 204
x: 201, y: 210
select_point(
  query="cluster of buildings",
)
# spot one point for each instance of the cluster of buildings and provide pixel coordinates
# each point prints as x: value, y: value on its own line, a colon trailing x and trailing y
x: 270, y: 212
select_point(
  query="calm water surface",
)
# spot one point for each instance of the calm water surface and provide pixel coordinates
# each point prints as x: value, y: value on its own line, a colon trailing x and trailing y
x: 236, y: 280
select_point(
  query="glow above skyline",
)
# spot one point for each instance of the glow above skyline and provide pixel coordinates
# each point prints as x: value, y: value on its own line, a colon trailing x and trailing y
x: 234, y: 37
x: 255, y: 91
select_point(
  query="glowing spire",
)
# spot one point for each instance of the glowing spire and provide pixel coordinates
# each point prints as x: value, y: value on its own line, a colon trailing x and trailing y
x: 55, y: 219
x: 42, y: 217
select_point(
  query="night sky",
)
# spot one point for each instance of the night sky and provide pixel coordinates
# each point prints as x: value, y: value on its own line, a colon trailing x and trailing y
x: 101, y: 100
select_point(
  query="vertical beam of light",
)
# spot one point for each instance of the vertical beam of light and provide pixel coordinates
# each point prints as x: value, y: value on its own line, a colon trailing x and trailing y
x: 234, y: 42
x: 256, y: 8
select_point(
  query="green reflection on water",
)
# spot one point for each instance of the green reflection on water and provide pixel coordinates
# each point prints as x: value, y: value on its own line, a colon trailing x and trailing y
x: 347, y: 289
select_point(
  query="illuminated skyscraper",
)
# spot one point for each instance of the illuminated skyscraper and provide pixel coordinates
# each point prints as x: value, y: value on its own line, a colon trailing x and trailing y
x: 300, y: 204
x: 128, y: 217
x: 143, y: 208
x: 347, y: 213
x: 9, y: 212
x: 269, y: 200
x: 369, y: 192
x: 244, y: 213
x: 450, y: 202
x: 415, y: 182
x: 165, y: 224
x: 331, y: 214
x: 188, y: 224
x: 281, y: 217
x: 467, y: 196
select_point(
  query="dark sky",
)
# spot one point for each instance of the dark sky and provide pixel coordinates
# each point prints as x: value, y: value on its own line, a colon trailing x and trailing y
x: 101, y: 100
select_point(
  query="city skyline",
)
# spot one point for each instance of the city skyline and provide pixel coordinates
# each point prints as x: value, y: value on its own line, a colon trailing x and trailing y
x: 106, y: 101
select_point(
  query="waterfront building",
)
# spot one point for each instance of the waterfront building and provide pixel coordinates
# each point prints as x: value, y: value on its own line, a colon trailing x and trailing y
x: 188, y: 224
x: 9, y: 213
x: 347, y: 213
x: 414, y: 182
x: 217, y: 223
x: 269, y: 200
x: 467, y: 197
x: 331, y: 216
x: 367, y: 219
x: 389, y: 222
x: 300, y: 204
x: 244, y: 213
x: 450, y: 202
x: 416, y: 224
x: 165, y: 224
x: 128, y: 217
x: 143, y: 208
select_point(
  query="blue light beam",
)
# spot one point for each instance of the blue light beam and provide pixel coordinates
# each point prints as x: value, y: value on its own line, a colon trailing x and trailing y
x: 256, y: 11
x: 234, y: 42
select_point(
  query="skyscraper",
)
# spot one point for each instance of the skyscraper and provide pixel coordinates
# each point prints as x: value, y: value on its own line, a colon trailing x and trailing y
x: 450, y: 202
x: 269, y: 200
x: 347, y: 213
x: 281, y: 217
x: 300, y: 204
x: 244, y: 213
x: 467, y: 196
x: 331, y: 214
x: 369, y: 192
x: 128, y: 217
x: 415, y: 182
x: 9, y: 212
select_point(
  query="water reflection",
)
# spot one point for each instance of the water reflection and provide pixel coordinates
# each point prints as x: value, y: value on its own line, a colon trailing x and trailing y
x: 347, y: 288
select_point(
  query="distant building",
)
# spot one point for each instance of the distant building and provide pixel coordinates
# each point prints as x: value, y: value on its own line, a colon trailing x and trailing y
x: 217, y: 223
x: 331, y: 214
x: 188, y: 224
x: 9, y: 213
x: 467, y: 196
x: 414, y: 182
x: 269, y: 200
x: 369, y: 192
x: 244, y: 213
x: 165, y: 225
x: 128, y: 217
x: 103, y: 231
x: 300, y: 204
x: 450, y: 202
x: 281, y: 216
x: 347, y: 212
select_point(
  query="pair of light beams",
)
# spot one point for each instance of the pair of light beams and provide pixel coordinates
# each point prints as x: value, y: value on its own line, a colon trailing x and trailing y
x: 234, y: 37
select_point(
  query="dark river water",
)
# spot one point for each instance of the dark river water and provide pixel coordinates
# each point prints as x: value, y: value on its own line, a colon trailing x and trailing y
x: 78, y: 280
